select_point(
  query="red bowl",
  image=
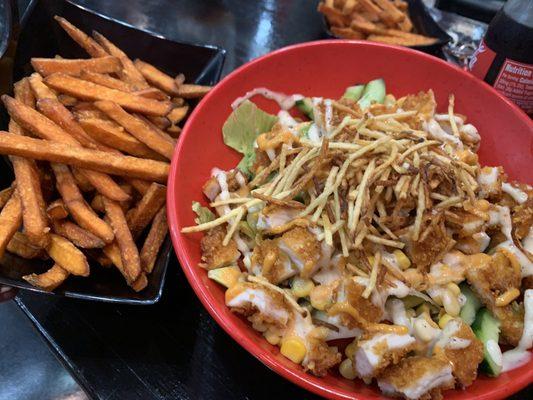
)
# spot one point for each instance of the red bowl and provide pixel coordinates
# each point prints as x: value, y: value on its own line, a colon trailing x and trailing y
x: 326, y: 68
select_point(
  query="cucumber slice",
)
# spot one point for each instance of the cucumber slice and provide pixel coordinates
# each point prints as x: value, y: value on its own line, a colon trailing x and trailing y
x: 471, y: 306
x: 354, y: 92
x: 374, y: 93
x: 487, y: 329
x: 306, y: 106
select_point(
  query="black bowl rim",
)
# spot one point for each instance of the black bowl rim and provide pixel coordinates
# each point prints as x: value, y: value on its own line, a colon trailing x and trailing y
x: 218, y: 49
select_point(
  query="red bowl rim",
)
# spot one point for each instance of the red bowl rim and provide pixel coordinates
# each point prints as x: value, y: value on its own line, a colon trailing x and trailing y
x: 202, y: 291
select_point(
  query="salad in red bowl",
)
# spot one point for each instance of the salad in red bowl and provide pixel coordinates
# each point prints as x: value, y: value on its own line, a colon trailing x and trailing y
x: 359, y: 236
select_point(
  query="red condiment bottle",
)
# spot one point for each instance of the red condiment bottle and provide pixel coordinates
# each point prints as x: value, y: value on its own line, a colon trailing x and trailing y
x: 504, y: 58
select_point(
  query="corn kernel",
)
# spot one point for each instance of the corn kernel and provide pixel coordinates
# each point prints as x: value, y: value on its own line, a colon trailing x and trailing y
x: 347, y: 370
x: 272, y: 338
x: 227, y: 276
x: 294, y: 349
x: 302, y: 287
x: 444, y: 320
x: 450, y: 303
x: 452, y: 287
x: 402, y: 260
x: 320, y: 297
x: 350, y: 350
x: 423, y: 330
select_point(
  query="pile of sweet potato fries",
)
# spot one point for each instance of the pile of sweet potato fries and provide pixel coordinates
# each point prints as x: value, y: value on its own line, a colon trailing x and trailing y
x: 385, y: 21
x: 90, y: 142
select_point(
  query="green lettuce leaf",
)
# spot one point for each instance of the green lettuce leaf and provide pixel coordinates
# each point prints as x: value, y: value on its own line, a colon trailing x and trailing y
x: 204, y: 214
x: 241, y: 129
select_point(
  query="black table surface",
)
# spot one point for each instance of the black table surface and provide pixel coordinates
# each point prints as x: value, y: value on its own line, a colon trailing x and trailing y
x: 174, y: 349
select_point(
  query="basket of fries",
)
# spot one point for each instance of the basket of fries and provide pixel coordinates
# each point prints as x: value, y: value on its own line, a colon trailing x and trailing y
x: 89, y: 139
x: 395, y: 22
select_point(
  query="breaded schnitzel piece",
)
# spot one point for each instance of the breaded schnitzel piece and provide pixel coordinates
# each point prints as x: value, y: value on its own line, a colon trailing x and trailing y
x: 262, y: 306
x: 417, y: 378
x: 303, y: 248
x: 214, y: 253
x: 465, y: 360
x: 376, y: 351
x: 271, y: 262
x: 491, y: 280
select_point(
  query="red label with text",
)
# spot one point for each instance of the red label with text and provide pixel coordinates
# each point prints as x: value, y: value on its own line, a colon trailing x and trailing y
x: 515, y: 81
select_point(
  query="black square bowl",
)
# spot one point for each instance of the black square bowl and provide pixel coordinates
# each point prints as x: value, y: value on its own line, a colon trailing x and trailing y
x: 41, y: 36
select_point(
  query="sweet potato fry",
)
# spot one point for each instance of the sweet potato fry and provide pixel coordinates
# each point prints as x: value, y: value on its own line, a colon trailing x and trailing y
x: 402, y: 41
x: 334, y: 16
x: 22, y: 247
x: 128, y: 250
x: 406, y: 24
x: 106, y: 80
x: 113, y: 135
x: 10, y: 221
x: 137, y: 127
x: 158, y: 130
x: 23, y: 93
x: 43, y: 127
x: 91, y: 91
x: 49, y: 66
x: 364, y: 26
x: 370, y: 7
x: 5, y: 194
x: 31, y: 199
x: 128, y: 73
x: 177, y: 114
x: 77, y: 235
x: 112, y: 252
x: 133, y: 167
x: 76, y: 205
x: 56, y: 210
x: 48, y: 280
x: 140, y: 185
x: 39, y: 89
x: 160, y: 122
x: 28, y: 185
x: 154, y: 240
x: 140, y: 216
x: 174, y: 131
x: 188, y: 91
x: 178, y: 101
x: 346, y: 33
x: 84, y: 40
x: 86, y: 109
x: 64, y: 253
x: 83, y: 183
x: 156, y: 77
x: 62, y: 117
x: 179, y: 80
x: 140, y: 283
x: 389, y: 7
x: 97, y: 203
x: 152, y: 93
x: 66, y: 100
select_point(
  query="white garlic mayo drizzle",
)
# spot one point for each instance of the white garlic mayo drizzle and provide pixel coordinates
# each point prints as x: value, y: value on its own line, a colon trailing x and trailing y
x: 518, y: 195
x: 520, y: 355
x: 284, y: 101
